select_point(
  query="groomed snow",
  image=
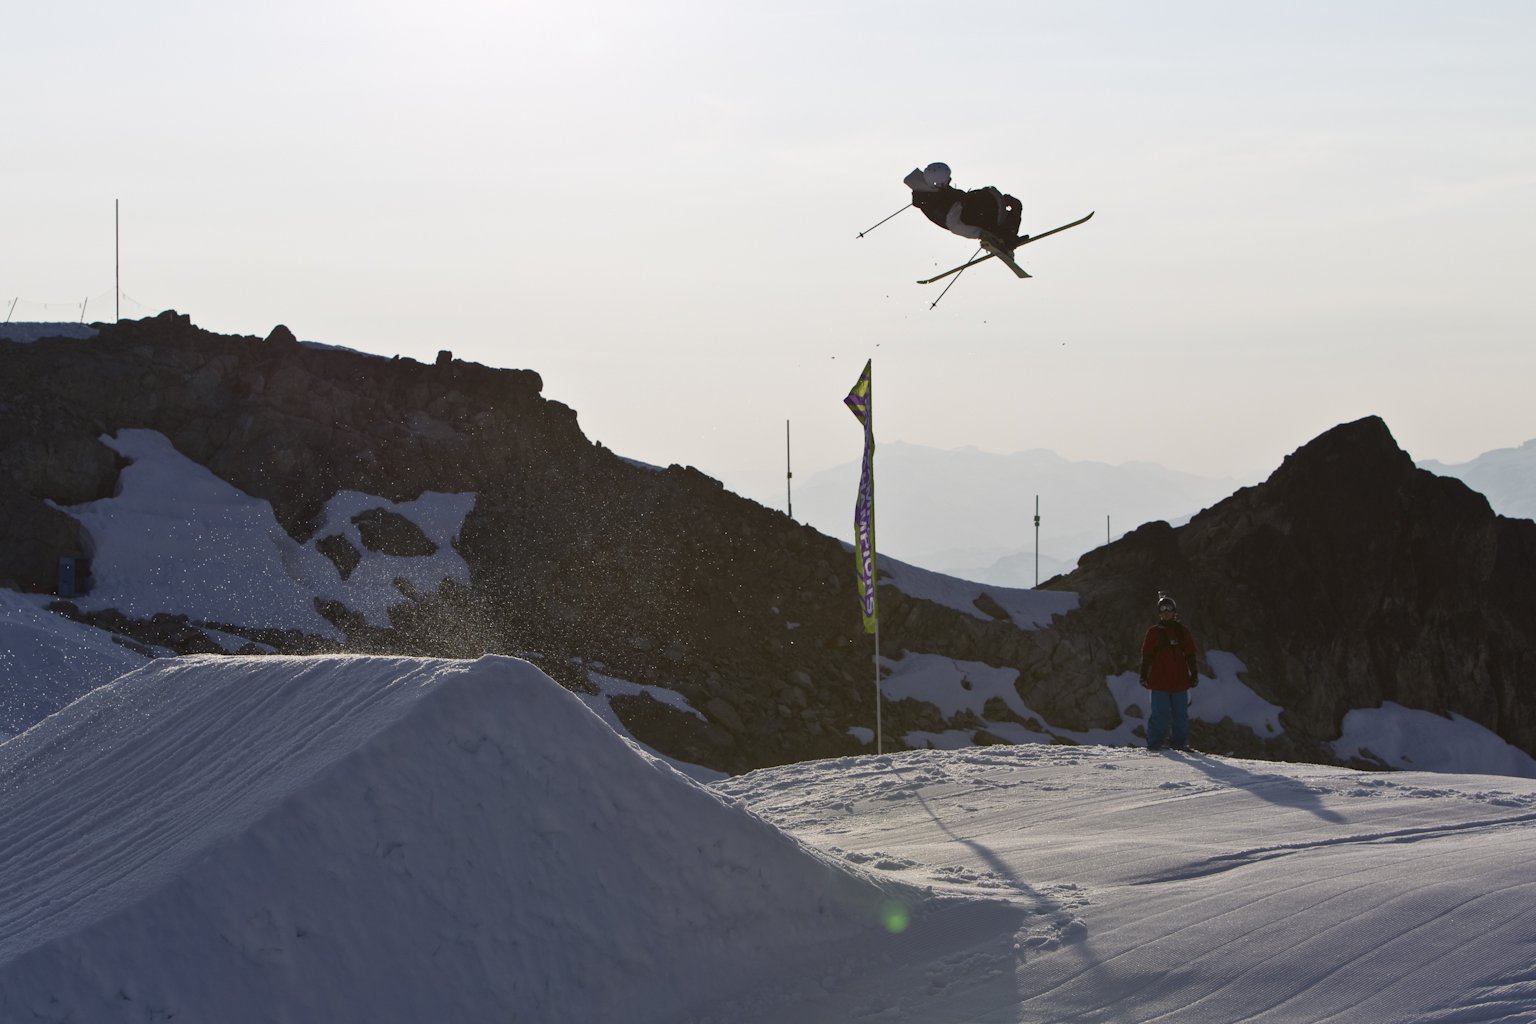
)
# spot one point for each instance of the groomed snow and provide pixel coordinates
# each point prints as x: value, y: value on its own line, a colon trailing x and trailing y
x: 388, y: 840
x: 1184, y: 889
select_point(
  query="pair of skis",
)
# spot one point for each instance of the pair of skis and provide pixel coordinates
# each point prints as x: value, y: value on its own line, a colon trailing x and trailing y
x: 1003, y: 254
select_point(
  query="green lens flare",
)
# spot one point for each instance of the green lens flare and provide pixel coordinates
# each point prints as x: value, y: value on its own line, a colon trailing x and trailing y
x: 894, y: 916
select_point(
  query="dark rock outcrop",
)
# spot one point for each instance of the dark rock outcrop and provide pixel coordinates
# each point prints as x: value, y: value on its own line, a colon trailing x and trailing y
x: 1346, y: 579
x: 578, y: 558
x: 341, y: 552
x: 390, y: 533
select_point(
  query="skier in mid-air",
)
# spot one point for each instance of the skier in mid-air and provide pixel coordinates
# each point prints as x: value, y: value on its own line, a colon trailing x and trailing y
x: 984, y: 214
x: 981, y: 213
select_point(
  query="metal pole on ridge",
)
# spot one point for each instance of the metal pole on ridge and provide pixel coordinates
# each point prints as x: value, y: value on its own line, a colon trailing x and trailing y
x: 1037, y: 540
x: 789, y: 476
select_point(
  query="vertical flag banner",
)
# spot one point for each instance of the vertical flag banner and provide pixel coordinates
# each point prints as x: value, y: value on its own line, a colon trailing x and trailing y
x: 861, y: 401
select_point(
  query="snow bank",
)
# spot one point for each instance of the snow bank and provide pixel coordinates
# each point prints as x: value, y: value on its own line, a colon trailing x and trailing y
x: 46, y: 661
x: 1028, y: 609
x: 955, y: 687
x: 1402, y: 737
x: 1225, y: 696
x: 179, y: 540
x: 370, y: 589
x: 385, y: 839
x: 30, y: 331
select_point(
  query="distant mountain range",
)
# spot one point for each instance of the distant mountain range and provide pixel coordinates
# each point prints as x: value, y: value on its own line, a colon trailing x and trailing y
x: 927, y: 497
x: 1505, y: 476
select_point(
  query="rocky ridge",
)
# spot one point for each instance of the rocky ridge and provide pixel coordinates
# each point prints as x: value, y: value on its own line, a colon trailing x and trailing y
x: 1347, y: 578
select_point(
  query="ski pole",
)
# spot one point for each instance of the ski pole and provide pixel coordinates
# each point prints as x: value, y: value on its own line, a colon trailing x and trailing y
x: 868, y: 230
x: 952, y: 283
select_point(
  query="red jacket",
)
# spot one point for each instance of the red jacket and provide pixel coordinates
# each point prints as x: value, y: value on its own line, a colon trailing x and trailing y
x: 1168, y: 657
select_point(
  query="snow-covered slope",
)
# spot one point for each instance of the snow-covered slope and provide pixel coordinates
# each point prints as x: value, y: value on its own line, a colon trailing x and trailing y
x: 1186, y: 889
x: 179, y: 540
x: 384, y: 839
x: 46, y: 661
x: 374, y: 839
x: 33, y: 330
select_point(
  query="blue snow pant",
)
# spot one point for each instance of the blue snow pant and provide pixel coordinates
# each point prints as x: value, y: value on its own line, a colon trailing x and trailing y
x: 1166, y: 706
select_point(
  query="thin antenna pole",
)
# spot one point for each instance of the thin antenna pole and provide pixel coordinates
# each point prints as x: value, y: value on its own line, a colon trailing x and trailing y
x: 789, y: 476
x: 1037, y: 540
x: 1106, y: 529
x: 12, y: 309
x: 82, y: 308
x: 117, y: 259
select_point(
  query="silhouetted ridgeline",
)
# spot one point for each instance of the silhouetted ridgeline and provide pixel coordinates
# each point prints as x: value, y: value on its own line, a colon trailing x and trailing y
x: 1348, y: 578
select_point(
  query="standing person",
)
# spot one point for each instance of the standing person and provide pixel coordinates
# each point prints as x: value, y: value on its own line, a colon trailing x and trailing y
x: 983, y: 213
x: 1168, y: 672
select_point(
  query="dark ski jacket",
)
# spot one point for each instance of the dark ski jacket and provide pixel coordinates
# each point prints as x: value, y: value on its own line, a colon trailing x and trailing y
x: 967, y: 214
x: 1168, y: 658
x: 936, y: 202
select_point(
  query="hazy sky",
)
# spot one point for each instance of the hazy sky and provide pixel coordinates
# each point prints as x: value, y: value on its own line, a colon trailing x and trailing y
x: 1306, y: 212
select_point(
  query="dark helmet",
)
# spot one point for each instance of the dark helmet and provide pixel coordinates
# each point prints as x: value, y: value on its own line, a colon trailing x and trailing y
x: 1165, y: 604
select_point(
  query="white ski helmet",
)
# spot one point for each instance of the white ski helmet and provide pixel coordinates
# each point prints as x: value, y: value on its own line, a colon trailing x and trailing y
x: 936, y: 175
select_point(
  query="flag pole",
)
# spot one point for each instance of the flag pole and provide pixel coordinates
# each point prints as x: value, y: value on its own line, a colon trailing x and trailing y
x: 879, y: 731
x: 860, y: 402
x: 874, y: 583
